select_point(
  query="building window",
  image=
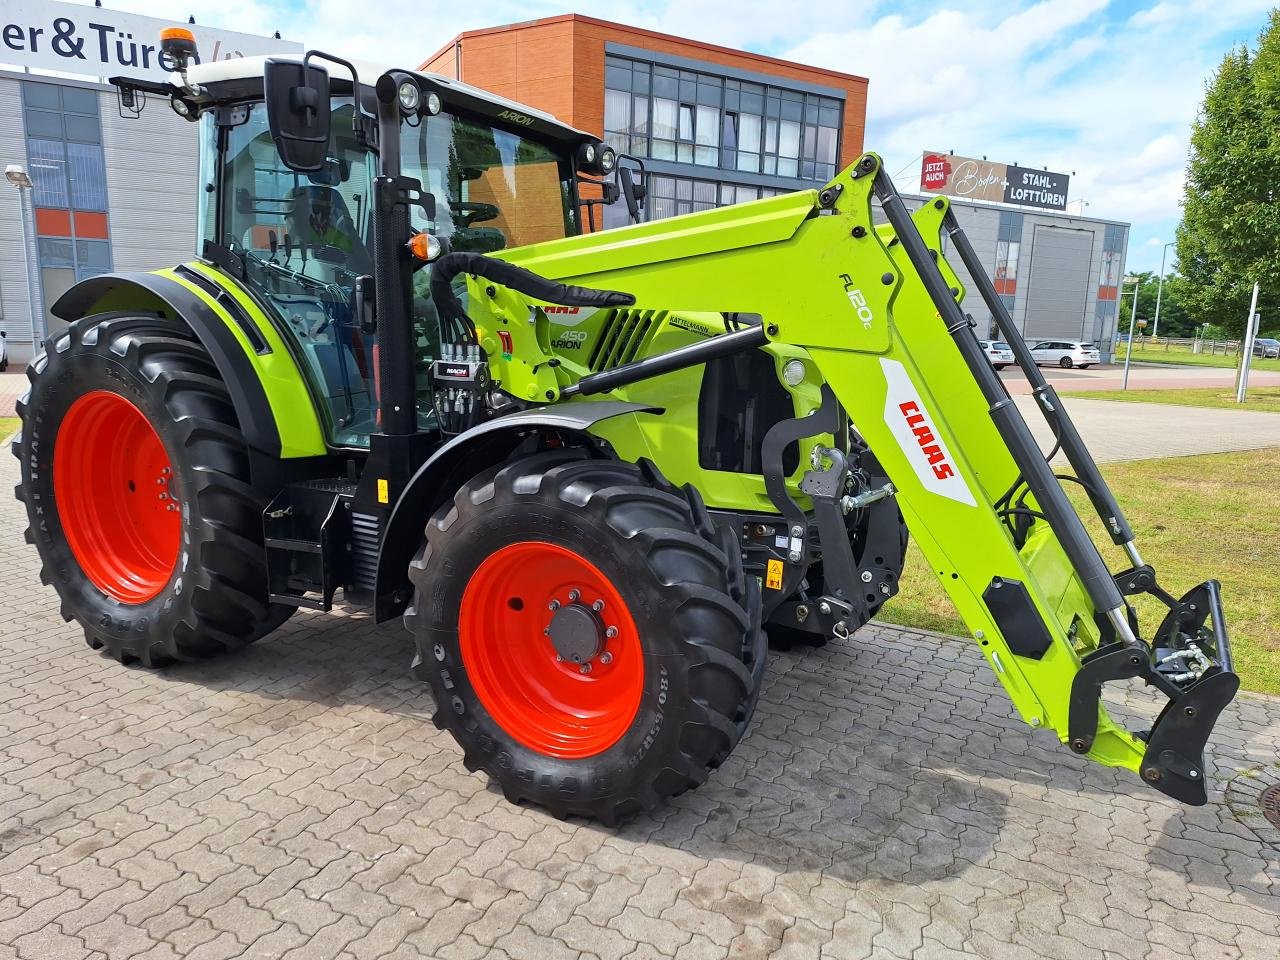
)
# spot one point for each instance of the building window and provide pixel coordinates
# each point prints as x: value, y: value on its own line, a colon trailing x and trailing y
x: 1008, y: 245
x: 663, y: 113
x: 64, y: 146
x: 65, y: 159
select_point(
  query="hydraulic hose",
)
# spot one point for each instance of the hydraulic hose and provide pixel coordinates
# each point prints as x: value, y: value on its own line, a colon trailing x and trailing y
x: 444, y: 270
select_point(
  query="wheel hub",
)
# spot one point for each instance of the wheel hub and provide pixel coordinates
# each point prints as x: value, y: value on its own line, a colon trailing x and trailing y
x: 551, y: 649
x: 576, y: 633
x: 112, y: 484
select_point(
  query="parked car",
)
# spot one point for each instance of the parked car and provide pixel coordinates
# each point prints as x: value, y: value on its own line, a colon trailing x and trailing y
x: 1266, y: 347
x: 1066, y: 353
x: 997, y: 352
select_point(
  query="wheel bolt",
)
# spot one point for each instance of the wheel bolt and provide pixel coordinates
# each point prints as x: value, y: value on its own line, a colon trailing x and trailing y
x: 611, y: 632
x: 598, y: 606
x: 585, y: 668
x: 167, y: 470
x: 164, y: 496
x: 573, y: 596
x: 606, y: 657
x: 559, y: 659
x: 553, y: 606
x: 546, y: 631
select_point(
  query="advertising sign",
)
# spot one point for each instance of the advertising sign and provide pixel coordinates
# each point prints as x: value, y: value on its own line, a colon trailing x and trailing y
x: 96, y: 42
x: 994, y: 182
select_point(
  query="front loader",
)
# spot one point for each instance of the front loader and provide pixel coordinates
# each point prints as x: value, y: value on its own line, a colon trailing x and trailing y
x: 591, y: 470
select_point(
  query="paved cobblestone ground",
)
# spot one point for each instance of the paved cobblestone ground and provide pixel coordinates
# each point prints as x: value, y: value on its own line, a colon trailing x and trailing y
x: 295, y: 801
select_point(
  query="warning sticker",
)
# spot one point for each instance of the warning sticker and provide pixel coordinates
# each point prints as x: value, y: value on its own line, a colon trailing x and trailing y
x: 384, y: 494
x: 773, y: 577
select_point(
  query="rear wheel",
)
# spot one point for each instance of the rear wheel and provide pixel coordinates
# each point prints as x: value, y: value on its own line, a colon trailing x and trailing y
x: 1065, y: 363
x: 585, y: 634
x: 136, y: 480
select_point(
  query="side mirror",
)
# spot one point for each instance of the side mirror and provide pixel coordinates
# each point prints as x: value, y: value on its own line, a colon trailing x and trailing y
x: 633, y: 192
x: 297, y: 97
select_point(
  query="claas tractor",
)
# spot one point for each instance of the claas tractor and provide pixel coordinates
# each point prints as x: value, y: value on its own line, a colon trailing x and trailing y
x: 595, y: 471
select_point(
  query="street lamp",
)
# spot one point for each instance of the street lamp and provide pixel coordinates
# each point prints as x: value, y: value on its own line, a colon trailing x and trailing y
x: 1155, y: 326
x: 18, y: 176
x: 1133, y: 319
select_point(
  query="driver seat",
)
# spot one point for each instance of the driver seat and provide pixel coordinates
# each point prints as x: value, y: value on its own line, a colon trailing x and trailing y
x: 308, y: 208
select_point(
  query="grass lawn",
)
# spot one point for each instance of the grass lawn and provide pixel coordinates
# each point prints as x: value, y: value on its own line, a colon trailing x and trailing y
x: 1265, y: 399
x: 1196, y: 518
x: 1156, y: 353
x: 8, y: 427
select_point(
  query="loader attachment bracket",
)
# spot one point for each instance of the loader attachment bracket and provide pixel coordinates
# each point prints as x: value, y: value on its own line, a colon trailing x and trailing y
x: 1174, y: 761
x: 1190, y: 665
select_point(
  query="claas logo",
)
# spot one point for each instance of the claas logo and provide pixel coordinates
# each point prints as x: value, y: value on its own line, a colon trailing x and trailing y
x: 928, y: 443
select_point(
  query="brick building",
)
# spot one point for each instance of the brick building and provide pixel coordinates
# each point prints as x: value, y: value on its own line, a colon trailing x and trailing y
x: 713, y: 125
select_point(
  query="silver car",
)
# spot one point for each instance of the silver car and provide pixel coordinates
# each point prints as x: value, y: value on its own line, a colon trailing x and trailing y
x: 997, y: 352
x: 1066, y: 353
x: 1266, y: 347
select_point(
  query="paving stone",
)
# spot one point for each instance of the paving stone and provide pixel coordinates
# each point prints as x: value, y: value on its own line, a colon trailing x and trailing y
x: 295, y: 800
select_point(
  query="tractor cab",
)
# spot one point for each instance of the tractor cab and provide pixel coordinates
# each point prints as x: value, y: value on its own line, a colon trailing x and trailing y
x: 297, y: 228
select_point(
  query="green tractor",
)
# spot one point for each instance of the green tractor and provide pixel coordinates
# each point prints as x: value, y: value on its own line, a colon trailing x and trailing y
x: 593, y: 471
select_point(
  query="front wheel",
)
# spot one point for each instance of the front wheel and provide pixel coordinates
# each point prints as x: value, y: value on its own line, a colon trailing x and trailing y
x: 136, y: 480
x: 585, y: 634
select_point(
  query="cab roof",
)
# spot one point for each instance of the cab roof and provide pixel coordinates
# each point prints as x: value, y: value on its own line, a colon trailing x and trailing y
x: 248, y: 68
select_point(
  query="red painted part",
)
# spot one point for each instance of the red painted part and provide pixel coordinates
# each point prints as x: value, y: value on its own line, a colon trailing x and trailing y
x: 548, y: 705
x: 110, y: 470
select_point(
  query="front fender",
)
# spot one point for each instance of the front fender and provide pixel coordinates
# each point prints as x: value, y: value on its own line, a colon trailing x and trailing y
x: 453, y: 465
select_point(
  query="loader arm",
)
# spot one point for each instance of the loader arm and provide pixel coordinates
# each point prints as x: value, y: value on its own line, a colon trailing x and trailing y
x: 876, y: 309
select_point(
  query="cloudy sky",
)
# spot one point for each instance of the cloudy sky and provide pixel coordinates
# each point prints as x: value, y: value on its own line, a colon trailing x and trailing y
x: 1106, y: 91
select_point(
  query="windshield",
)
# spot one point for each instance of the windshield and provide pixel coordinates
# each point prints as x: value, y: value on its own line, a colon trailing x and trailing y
x: 493, y: 189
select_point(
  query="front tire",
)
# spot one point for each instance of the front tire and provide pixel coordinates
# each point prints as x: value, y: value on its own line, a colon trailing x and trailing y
x: 585, y: 634
x: 135, y: 476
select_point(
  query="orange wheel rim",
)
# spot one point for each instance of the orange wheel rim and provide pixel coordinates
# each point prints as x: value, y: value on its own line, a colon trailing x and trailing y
x: 528, y: 610
x: 112, y: 482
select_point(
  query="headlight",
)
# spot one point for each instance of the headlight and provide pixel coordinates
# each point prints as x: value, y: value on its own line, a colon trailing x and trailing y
x: 433, y: 103
x: 608, y: 160
x: 793, y: 373
x: 410, y: 96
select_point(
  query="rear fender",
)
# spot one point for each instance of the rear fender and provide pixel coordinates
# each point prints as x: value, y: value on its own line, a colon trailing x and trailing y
x: 457, y: 462
x: 269, y: 392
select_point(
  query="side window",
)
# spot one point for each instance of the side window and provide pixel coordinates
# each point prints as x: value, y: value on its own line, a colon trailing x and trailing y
x: 304, y: 239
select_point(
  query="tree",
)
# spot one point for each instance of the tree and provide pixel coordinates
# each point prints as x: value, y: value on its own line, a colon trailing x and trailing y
x: 1174, y: 319
x: 1230, y: 231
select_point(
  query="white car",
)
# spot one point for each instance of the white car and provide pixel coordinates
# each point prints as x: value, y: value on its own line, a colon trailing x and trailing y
x: 1066, y: 353
x: 4, y: 351
x: 997, y: 352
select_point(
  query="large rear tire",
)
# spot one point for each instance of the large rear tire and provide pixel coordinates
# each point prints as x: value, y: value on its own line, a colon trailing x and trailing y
x: 135, y: 476
x: 587, y: 635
